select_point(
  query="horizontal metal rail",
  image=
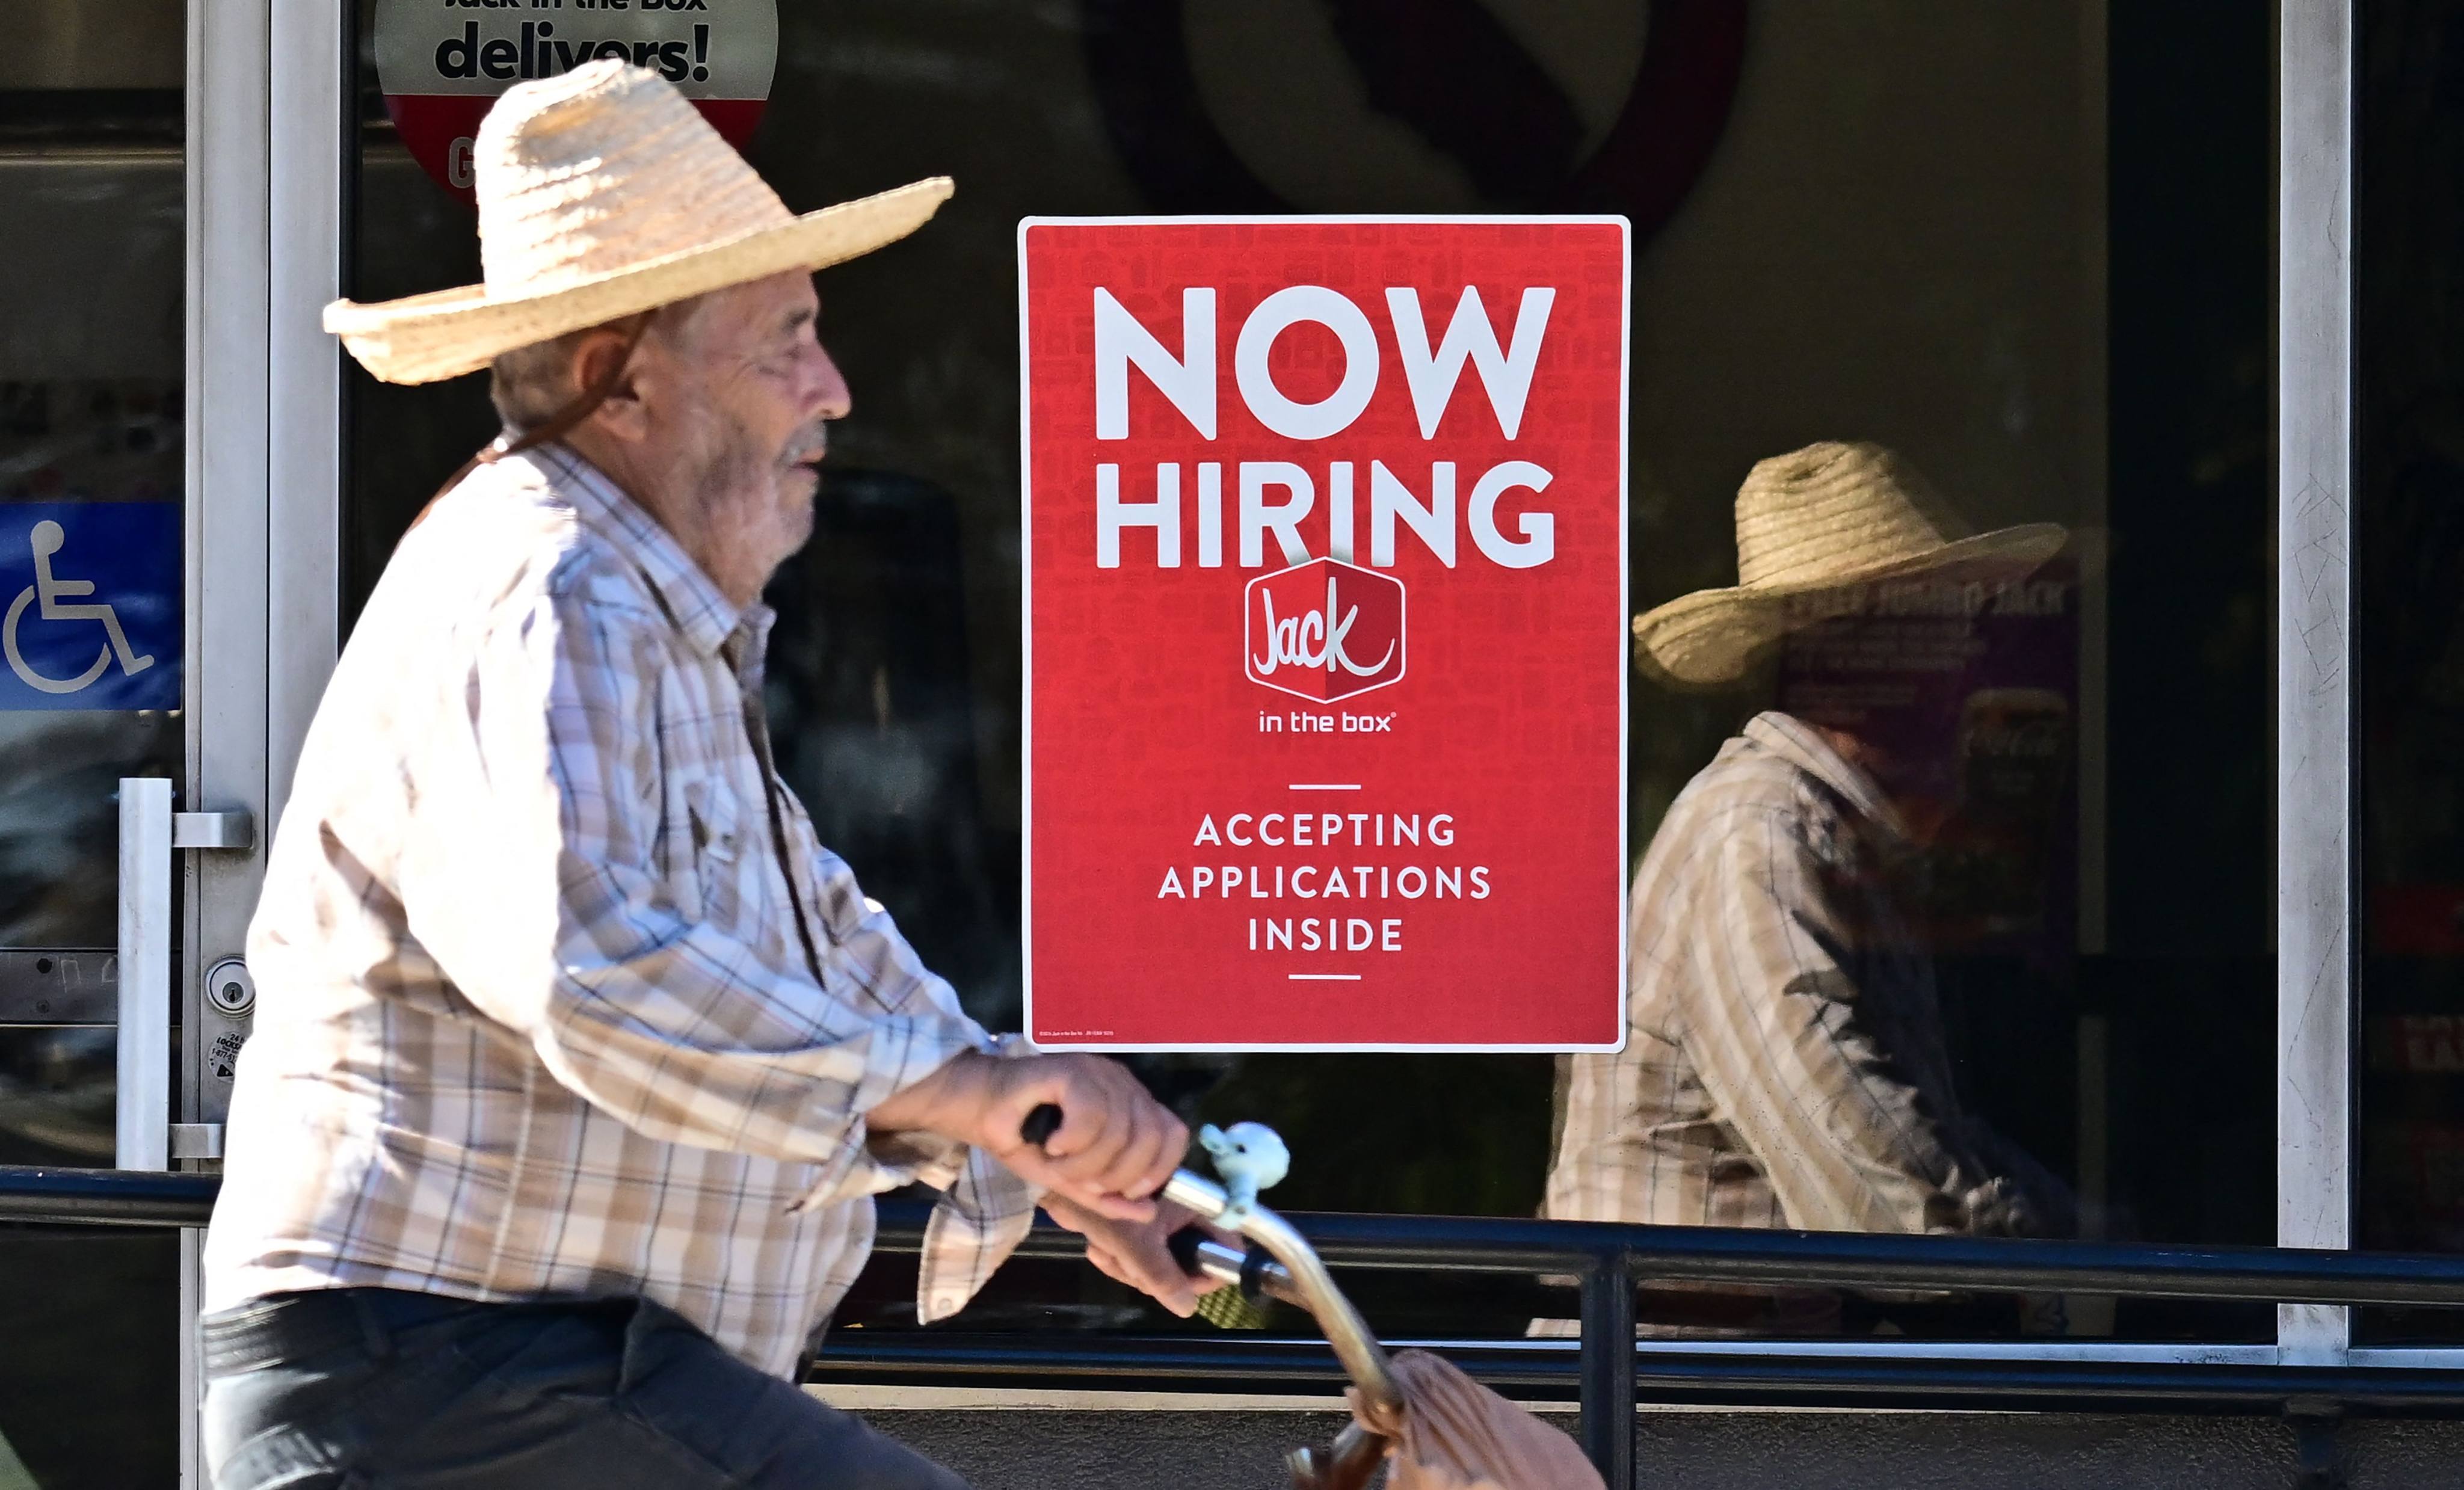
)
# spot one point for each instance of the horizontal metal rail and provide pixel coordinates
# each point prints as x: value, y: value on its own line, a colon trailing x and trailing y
x: 1607, y: 1262
x: 1665, y: 1373
x: 1771, y: 1259
x: 106, y: 1197
x: 1834, y: 1259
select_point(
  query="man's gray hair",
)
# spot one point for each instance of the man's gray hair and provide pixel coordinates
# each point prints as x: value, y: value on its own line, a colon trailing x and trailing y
x: 532, y: 384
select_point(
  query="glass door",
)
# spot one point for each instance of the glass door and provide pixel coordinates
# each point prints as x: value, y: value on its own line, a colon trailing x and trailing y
x: 1967, y: 232
x: 92, y: 630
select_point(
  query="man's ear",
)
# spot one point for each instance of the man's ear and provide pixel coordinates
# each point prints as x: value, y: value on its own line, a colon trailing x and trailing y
x: 595, y: 357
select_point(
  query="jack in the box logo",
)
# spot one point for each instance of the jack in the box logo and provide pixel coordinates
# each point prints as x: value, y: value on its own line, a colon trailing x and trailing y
x: 1325, y: 629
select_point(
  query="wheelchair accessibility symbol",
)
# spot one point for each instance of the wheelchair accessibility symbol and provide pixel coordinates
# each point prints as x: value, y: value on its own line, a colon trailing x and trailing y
x: 92, y: 618
x: 48, y: 538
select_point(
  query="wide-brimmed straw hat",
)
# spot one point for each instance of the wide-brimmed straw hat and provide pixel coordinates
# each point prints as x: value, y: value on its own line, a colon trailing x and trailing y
x: 602, y: 193
x: 1828, y: 516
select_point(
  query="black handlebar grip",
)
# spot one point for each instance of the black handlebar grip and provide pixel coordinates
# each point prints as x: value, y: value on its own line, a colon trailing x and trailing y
x: 1040, y: 1124
x: 1183, y: 1246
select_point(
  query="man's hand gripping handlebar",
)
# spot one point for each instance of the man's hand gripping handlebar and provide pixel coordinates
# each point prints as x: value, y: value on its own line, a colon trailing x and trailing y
x: 1280, y: 1264
x: 1109, y: 1156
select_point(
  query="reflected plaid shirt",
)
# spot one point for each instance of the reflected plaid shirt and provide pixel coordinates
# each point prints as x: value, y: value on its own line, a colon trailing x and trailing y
x: 541, y: 1013
x: 1783, y: 1064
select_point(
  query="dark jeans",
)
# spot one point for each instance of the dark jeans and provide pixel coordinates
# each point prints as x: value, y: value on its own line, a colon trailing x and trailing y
x: 356, y: 1388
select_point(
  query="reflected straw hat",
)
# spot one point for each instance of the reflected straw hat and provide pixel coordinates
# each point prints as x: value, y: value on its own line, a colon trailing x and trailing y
x: 1830, y: 515
x: 603, y: 194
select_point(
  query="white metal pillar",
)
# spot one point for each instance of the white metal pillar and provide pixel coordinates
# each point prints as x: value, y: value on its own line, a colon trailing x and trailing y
x: 2314, y: 784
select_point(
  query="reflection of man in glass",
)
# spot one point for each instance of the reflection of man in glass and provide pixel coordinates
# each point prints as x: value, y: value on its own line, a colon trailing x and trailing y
x: 1785, y: 1063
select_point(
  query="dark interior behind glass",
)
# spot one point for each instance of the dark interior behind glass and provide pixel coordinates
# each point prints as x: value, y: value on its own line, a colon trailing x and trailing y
x: 2408, y: 649
x: 92, y: 193
x: 2029, y: 245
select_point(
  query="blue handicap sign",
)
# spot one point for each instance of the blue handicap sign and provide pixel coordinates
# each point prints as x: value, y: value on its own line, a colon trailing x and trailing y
x: 93, y: 617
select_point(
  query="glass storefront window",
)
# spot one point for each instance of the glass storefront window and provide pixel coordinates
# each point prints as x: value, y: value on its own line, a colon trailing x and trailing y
x: 2410, y: 742
x: 2027, y: 247
x: 91, y: 534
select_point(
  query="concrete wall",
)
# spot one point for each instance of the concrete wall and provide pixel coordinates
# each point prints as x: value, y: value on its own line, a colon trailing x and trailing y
x: 1719, y: 1450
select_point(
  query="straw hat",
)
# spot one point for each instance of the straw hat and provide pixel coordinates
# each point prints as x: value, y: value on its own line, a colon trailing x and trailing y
x: 1824, y: 518
x: 603, y: 194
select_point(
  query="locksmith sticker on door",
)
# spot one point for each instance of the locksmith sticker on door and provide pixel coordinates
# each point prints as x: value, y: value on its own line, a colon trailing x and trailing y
x: 92, y: 605
x: 443, y: 62
x: 1326, y: 649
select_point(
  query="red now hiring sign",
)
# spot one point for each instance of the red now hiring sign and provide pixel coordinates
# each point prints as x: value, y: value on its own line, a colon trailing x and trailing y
x: 1326, y: 632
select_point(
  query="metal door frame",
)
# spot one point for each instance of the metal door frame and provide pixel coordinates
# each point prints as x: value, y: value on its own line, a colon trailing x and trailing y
x: 266, y: 92
x: 265, y: 176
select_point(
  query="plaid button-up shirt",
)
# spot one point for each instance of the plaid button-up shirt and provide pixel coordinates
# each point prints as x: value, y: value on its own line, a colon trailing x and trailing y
x: 560, y: 995
x: 1783, y: 1064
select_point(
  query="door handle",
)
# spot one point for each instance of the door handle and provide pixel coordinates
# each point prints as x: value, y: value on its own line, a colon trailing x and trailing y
x: 149, y: 839
x: 144, y: 1112
x: 196, y: 1140
x: 229, y: 827
x: 149, y: 832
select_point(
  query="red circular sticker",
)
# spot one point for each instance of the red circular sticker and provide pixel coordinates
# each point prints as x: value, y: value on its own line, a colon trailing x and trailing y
x: 442, y: 65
